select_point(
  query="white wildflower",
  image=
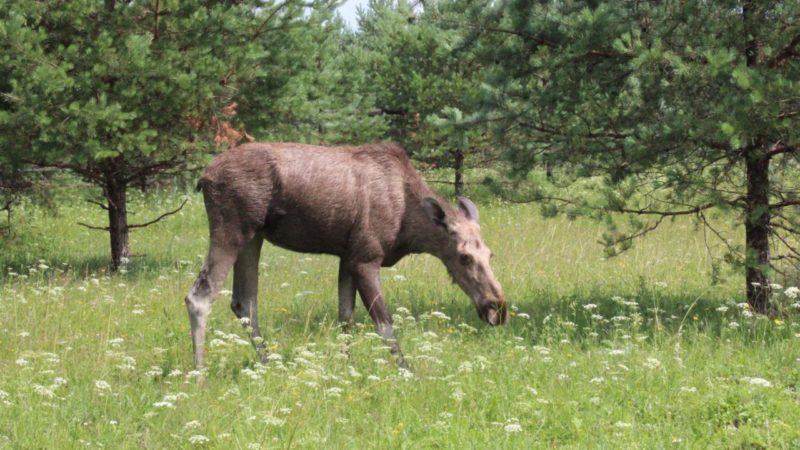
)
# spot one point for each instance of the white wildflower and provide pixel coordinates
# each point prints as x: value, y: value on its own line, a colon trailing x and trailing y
x: 457, y: 395
x: 217, y: 343
x: 722, y: 309
x: 274, y: 421
x: 590, y: 306
x: 192, y: 425
x: 792, y: 292
x: 194, y: 374
x: 164, y: 404
x: 334, y: 392
x: 523, y: 315
x: 758, y: 382
x: 198, y: 439
x: 44, y: 391
x: 405, y: 373
x: 513, y: 426
x: 102, y: 385
x: 652, y: 363
x: 440, y: 315
x: 22, y: 362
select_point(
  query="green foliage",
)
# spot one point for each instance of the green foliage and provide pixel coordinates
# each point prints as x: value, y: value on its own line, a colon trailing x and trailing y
x: 421, y: 80
x: 312, y: 91
x: 672, y: 105
x: 119, y: 92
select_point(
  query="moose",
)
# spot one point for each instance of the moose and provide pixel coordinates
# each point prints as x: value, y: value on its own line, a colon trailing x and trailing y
x: 365, y: 204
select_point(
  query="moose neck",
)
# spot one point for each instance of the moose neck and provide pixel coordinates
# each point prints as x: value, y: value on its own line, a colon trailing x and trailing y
x: 419, y: 234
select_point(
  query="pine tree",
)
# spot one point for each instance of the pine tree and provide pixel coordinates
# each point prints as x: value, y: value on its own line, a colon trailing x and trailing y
x: 667, y: 108
x: 421, y: 80
x: 118, y: 92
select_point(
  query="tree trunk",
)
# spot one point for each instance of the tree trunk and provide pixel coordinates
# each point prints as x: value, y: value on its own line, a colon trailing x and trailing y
x: 116, y: 194
x: 757, y: 213
x: 756, y: 224
x: 458, y: 166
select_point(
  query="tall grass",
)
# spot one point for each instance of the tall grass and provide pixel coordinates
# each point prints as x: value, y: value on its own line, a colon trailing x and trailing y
x: 637, y: 351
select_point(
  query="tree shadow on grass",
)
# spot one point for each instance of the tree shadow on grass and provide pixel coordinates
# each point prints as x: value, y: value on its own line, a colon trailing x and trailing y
x: 89, y: 266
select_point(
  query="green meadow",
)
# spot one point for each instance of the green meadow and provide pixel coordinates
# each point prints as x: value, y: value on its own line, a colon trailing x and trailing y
x: 641, y: 350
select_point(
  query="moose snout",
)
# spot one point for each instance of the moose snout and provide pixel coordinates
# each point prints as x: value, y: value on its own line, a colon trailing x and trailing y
x: 494, y: 312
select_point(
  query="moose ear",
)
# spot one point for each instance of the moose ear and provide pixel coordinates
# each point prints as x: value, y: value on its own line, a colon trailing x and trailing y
x: 468, y: 208
x: 434, y: 211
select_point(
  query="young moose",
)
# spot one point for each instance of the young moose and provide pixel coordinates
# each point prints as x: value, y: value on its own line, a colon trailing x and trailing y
x: 364, y: 204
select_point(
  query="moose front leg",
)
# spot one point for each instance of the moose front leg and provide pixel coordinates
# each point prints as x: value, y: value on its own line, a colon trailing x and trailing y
x: 367, y: 278
x: 244, y: 303
x: 347, y: 297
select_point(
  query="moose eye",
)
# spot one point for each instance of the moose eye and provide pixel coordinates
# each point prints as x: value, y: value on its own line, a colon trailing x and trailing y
x: 465, y: 260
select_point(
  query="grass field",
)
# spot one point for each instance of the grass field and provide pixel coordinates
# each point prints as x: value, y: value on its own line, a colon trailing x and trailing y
x: 639, y: 351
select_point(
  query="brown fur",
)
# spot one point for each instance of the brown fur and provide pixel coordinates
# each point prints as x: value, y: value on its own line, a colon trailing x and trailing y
x: 365, y: 204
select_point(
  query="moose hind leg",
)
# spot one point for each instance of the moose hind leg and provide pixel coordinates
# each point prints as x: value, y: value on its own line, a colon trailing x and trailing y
x: 202, y: 294
x: 245, y: 293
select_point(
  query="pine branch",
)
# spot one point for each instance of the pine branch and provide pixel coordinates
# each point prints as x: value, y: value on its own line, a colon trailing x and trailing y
x: 785, y: 228
x: 642, y: 232
x: 94, y: 202
x: 780, y: 148
x: 785, y: 203
x: 93, y: 227
x: 159, y: 218
x: 84, y: 171
x: 156, y: 167
x: 785, y: 54
x: 719, y: 236
x: 685, y: 212
x: 792, y: 250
